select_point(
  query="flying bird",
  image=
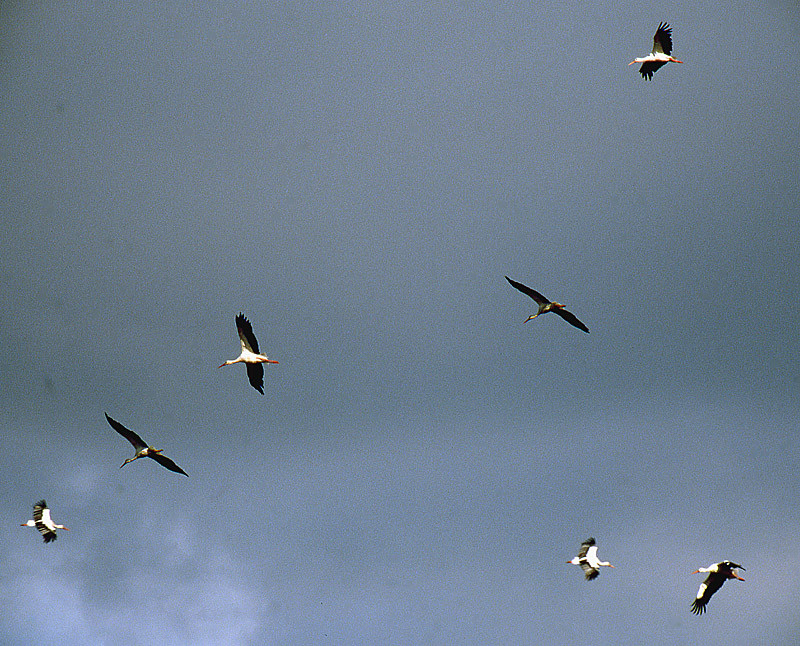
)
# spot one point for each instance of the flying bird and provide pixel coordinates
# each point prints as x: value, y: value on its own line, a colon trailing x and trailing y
x: 250, y: 354
x: 41, y: 520
x: 546, y: 305
x: 661, y: 54
x: 142, y: 449
x: 718, y: 573
x: 587, y: 559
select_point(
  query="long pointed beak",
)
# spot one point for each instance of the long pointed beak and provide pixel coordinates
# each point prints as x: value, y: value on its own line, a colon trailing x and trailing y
x: 530, y: 318
x: 220, y: 366
x: 736, y: 576
x: 696, y: 572
x: 631, y: 63
x: 67, y: 528
x: 609, y: 565
x: 270, y: 361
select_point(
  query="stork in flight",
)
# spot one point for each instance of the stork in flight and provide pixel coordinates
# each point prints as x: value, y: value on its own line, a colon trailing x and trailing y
x: 718, y: 573
x: 142, y: 449
x: 250, y: 355
x: 661, y: 54
x: 587, y: 559
x: 41, y: 520
x: 546, y: 305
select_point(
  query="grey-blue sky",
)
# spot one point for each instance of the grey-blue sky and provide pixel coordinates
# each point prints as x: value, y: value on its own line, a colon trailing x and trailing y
x: 358, y: 180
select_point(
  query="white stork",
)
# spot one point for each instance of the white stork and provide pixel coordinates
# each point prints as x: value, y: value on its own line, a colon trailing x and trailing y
x: 718, y: 573
x: 250, y: 355
x: 587, y: 559
x: 546, y: 305
x: 661, y: 54
x: 41, y: 520
x: 142, y: 449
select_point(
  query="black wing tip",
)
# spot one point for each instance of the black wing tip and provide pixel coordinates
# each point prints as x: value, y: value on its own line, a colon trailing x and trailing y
x: 41, y: 504
x: 114, y: 423
x: 177, y: 469
x: 664, y: 27
x: 528, y: 291
x: 573, y: 320
x: 591, y: 576
x: 589, y: 541
x: 168, y: 463
x: 49, y: 538
x: 697, y: 607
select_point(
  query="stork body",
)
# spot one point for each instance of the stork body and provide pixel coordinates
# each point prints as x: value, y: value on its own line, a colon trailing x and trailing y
x: 41, y: 520
x: 143, y: 450
x: 588, y: 560
x: 661, y: 54
x: 250, y: 354
x: 546, y: 305
x: 718, y: 573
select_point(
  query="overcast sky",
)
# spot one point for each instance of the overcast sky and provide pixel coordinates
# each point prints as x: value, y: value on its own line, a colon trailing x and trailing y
x: 357, y: 178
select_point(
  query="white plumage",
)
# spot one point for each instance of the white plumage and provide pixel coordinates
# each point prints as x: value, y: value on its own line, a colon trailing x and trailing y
x: 661, y: 54
x: 718, y: 573
x: 41, y: 520
x: 588, y: 560
x: 250, y: 354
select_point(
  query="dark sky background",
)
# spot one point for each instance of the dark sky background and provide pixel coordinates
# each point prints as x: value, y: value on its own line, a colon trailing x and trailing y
x: 357, y: 178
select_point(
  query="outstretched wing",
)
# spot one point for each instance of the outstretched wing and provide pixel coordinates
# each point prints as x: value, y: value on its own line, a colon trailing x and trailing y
x: 570, y: 318
x: 649, y: 68
x: 41, y: 517
x: 541, y: 300
x: 38, y: 511
x: 246, y: 336
x: 164, y: 461
x: 127, y: 433
x: 590, y: 572
x: 255, y: 373
x: 707, y: 589
x: 662, y: 41
x: 589, y: 542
